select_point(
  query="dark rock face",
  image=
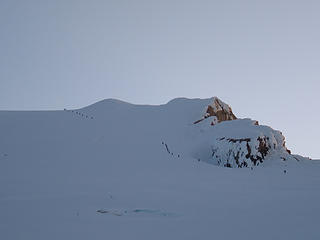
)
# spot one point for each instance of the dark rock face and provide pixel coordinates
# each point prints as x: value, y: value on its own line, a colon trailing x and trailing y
x: 244, y: 151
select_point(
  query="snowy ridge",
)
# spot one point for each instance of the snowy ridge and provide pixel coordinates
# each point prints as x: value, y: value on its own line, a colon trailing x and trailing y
x: 115, y: 170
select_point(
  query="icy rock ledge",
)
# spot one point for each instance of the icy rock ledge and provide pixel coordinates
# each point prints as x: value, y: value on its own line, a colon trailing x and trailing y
x: 244, y: 143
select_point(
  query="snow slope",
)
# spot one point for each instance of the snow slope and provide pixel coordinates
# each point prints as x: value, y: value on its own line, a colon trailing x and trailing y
x: 115, y: 170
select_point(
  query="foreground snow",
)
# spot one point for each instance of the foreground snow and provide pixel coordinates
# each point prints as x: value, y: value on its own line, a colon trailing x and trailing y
x: 119, y: 171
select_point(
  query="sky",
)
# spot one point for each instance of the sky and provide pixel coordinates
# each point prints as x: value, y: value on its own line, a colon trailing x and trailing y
x: 261, y: 57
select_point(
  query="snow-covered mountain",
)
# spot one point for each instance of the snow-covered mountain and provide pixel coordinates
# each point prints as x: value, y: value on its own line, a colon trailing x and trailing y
x: 188, y: 169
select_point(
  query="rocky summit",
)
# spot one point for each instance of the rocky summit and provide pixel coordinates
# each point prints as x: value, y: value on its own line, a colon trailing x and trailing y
x: 218, y: 111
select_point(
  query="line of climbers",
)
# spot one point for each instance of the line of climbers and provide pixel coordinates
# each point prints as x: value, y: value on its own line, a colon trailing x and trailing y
x: 79, y: 113
x: 168, y: 150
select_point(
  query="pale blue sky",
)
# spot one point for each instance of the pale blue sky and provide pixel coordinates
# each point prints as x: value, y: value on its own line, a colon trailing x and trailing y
x: 261, y: 57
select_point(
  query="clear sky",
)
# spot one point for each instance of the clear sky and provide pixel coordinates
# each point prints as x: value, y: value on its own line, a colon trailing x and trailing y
x: 261, y: 57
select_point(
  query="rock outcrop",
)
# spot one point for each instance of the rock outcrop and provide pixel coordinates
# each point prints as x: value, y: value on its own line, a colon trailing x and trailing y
x: 218, y: 111
x: 241, y: 142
